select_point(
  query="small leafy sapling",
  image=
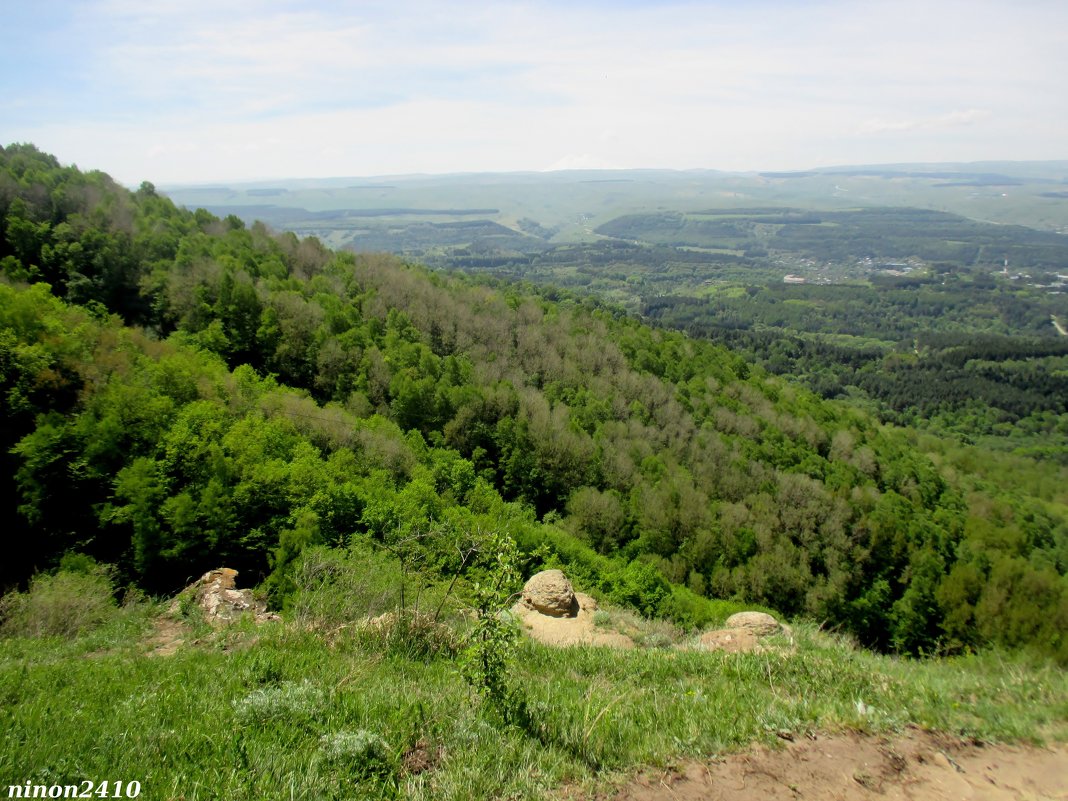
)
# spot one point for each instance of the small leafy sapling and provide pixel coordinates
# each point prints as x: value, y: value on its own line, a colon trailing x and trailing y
x: 488, y: 657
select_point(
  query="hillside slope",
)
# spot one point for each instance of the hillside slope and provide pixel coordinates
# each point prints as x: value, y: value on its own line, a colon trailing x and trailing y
x: 252, y: 394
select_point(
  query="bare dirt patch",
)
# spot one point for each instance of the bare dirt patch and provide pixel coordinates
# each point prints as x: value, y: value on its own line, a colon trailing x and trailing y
x: 563, y: 631
x: 915, y: 766
x: 168, y: 637
x: 422, y: 756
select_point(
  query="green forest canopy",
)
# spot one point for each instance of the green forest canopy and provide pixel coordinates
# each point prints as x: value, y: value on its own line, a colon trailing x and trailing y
x: 182, y: 391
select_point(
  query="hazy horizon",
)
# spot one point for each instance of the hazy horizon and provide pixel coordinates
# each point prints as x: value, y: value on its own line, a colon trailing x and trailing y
x: 190, y: 93
x: 828, y: 169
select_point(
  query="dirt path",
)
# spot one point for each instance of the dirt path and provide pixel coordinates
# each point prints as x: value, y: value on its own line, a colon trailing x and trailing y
x: 915, y: 766
x: 1058, y: 326
x: 168, y: 636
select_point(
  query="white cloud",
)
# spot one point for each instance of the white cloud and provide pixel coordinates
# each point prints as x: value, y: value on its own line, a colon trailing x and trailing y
x: 952, y: 119
x: 192, y: 91
x: 580, y: 161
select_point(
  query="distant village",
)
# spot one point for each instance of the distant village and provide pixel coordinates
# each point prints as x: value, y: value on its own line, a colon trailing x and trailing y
x: 1056, y: 283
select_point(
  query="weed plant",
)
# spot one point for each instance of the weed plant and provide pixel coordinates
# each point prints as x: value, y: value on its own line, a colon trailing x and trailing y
x: 334, y: 587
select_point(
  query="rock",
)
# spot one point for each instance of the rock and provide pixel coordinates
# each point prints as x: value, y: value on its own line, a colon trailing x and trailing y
x: 550, y: 593
x: 225, y: 578
x: 759, y: 623
x: 587, y: 605
x: 216, y: 594
x: 730, y: 640
x: 552, y: 612
x: 743, y: 633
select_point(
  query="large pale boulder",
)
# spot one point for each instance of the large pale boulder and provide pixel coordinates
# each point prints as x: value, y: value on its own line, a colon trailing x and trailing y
x: 743, y: 633
x: 550, y: 593
x: 759, y: 623
x: 551, y: 612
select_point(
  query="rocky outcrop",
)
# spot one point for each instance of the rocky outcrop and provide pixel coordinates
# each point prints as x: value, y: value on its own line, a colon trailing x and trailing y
x: 218, y: 598
x: 550, y: 593
x: 552, y: 612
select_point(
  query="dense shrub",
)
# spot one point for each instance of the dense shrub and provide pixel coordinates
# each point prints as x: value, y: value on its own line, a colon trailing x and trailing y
x: 62, y: 605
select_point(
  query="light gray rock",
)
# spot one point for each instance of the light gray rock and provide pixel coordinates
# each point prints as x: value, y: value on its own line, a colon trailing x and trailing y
x: 216, y: 594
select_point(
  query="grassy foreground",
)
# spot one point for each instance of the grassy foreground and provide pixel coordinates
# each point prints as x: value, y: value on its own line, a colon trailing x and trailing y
x: 278, y: 711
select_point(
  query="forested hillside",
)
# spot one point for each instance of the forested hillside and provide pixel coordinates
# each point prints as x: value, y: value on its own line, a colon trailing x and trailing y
x: 979, y: 363
x: 846, y: 236
x: 182, y: 391
x: 919, y: 316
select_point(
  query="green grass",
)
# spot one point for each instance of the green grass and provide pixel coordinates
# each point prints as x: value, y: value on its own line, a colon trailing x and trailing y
x: 645, y: 633
x: 280, y: 712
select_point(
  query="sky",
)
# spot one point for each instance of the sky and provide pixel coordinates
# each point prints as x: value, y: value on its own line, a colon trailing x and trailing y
x: 195, y: 91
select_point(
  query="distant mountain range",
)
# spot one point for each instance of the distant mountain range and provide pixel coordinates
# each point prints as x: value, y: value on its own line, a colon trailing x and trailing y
x: 571, y: 204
